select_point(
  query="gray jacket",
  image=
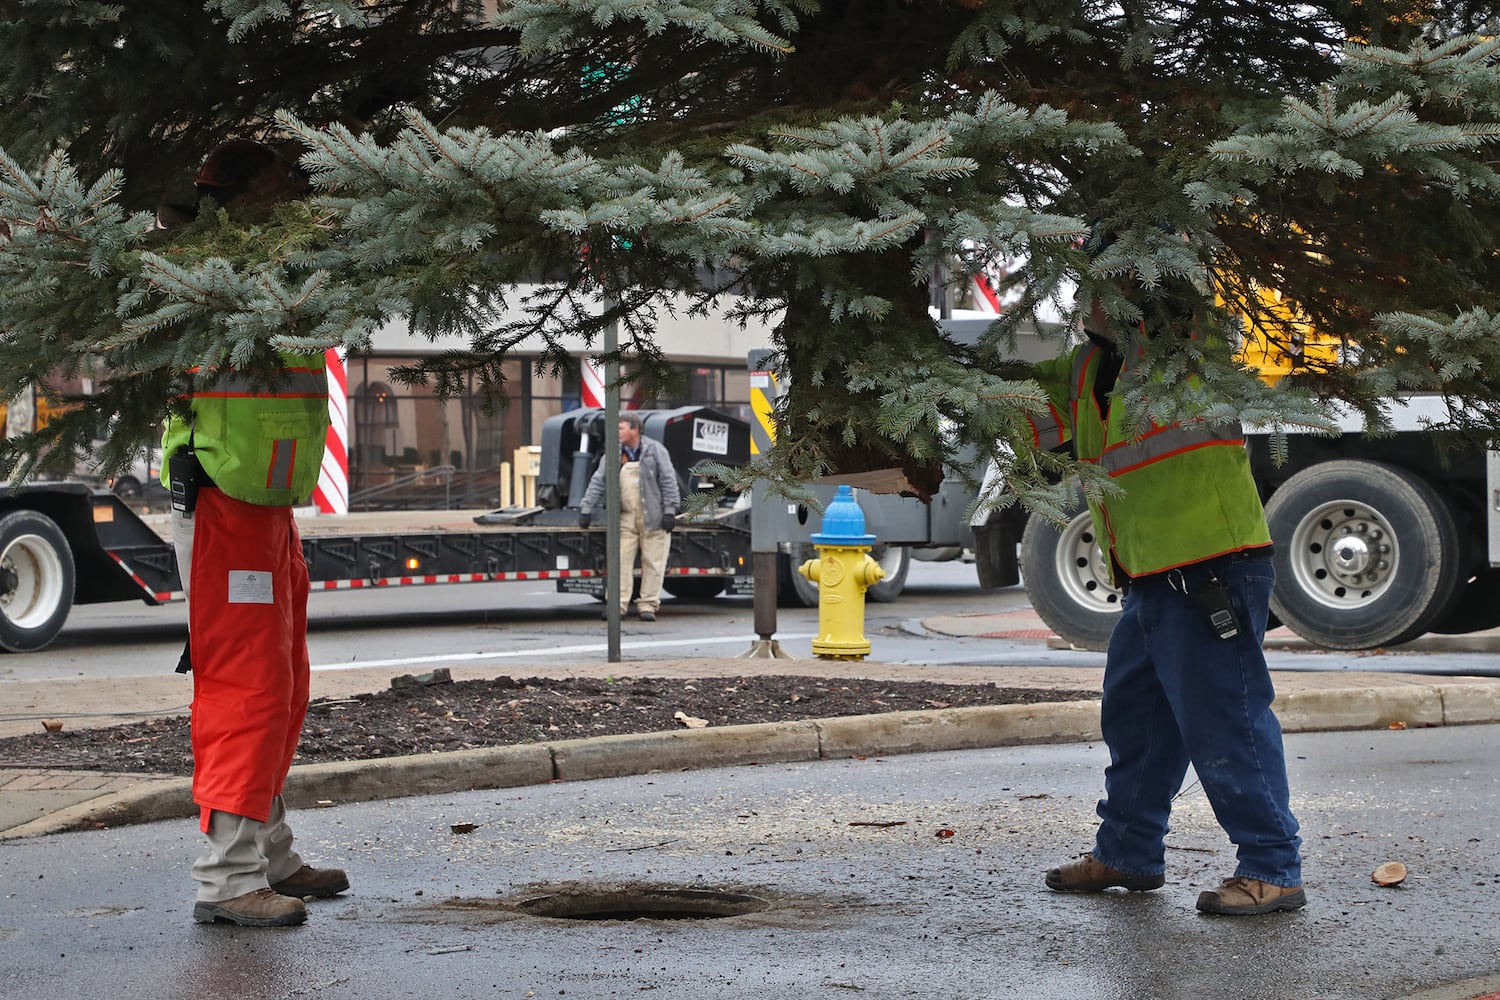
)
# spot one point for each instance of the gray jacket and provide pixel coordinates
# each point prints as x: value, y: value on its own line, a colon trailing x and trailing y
x: 659, y: 491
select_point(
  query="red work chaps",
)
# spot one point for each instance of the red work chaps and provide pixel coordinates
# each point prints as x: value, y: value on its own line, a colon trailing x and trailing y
x: 247, y: 619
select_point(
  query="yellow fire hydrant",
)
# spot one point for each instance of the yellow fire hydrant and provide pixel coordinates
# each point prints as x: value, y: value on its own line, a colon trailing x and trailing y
x: 842, y: 571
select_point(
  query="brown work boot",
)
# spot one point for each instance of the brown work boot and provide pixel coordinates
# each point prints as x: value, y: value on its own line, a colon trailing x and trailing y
x: 1241, y: 897
x: 1088, y: 874
x: 261, y: 908
x: 309, y: 881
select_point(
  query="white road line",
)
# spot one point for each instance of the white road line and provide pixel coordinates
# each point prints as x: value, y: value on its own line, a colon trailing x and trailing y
x: 548, y: 651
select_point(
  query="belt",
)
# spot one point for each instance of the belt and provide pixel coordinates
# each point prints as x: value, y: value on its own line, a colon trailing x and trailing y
x: 1191, y: 570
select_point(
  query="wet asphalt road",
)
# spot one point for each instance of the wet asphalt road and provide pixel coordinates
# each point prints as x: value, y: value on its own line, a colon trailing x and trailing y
x: 885, y: 911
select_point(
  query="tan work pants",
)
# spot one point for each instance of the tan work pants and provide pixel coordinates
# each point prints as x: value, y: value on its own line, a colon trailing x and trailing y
x: 636, y: 536
x: 245, y: 854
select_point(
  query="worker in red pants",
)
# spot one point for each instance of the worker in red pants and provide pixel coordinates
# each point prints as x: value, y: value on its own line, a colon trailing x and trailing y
x: 242, y: 448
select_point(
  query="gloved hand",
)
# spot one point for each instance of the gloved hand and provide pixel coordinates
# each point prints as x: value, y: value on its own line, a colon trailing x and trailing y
x: 585, y: 518
x: 668, y: 521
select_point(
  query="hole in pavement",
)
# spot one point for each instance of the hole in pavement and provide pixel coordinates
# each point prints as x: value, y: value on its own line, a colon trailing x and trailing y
x: 642, y: 904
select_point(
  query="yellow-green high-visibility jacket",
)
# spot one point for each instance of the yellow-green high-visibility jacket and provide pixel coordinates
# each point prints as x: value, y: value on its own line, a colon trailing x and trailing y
x: 1188, y: 493
x: 259, y: 438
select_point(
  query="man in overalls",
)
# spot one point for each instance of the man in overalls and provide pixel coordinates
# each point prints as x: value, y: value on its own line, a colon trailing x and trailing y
x: 649, y: 502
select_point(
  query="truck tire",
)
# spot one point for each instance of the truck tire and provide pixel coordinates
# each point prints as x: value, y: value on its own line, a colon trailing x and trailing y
x: 793, y: 590
x: 36, y: 581
x: 693, y: 588
x: 995, y: 554
x: 1366, y: 554
x: 896, y: 561
x: 796, y: 591
x: 1064, y: 574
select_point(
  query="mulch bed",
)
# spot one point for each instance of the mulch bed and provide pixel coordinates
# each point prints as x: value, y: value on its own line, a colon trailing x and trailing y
x: 418, y: 717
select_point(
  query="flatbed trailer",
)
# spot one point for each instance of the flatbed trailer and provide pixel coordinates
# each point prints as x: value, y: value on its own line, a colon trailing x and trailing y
x: 69, y: 543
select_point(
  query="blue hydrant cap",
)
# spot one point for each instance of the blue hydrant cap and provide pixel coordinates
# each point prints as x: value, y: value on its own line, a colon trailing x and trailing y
x: 843, y: 522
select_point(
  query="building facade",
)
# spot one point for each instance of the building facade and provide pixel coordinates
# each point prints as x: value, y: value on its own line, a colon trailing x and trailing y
x: 396, y: 429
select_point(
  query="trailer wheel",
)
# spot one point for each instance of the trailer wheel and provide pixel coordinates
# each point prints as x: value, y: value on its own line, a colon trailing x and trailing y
x: 1064, y: 574
x: 693, y: 588
x: 796, y: 591
x: 1366, y: 554
x: 36, y: 581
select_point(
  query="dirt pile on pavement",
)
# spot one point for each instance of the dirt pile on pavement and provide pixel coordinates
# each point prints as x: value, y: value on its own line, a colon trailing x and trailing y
x: 427, y: 714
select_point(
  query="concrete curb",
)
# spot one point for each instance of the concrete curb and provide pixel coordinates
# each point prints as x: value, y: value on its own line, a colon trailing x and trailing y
x: 976, y: 728
x: 1360, y: 708
x: 1412, y: 706
x: 926, y: 731
x: 689, y: 749
x: 153, y: 798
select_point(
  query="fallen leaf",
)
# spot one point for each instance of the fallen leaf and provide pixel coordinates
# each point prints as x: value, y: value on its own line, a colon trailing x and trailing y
x: 464, y: 827
x: 52, y: 725
x: 1397, y: 725
x: 690, y: 721
x: 1388, y: 874
x: 943, y: 834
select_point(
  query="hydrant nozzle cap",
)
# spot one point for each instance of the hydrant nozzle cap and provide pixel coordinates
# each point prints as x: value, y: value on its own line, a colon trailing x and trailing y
x: 843, y: 521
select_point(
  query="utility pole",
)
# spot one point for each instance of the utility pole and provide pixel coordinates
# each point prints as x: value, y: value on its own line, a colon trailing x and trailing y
x: 611, y: 460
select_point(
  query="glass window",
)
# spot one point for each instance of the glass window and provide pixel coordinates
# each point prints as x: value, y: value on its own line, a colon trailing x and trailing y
x: 396, y: 430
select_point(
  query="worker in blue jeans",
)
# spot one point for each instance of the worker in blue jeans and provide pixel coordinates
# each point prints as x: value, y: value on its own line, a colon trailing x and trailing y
x: 1185, y: 678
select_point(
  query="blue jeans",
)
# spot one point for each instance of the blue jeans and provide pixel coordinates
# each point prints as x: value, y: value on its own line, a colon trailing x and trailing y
x: 1175, y: 693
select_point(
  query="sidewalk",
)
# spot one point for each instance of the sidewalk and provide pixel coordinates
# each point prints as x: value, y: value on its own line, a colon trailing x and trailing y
x: 35, y: 801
